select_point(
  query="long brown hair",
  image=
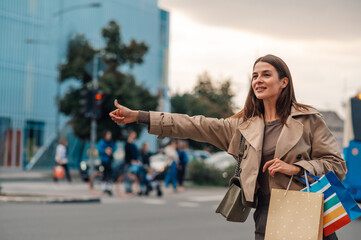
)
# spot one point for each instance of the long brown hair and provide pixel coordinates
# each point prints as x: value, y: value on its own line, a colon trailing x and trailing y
x: 254, y: 107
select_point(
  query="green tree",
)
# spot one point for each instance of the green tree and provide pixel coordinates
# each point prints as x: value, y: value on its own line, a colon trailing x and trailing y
x: 207, y: 98
x: 113, y: 83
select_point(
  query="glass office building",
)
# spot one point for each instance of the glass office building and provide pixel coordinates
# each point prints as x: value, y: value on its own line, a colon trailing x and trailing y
x: 33, y: 40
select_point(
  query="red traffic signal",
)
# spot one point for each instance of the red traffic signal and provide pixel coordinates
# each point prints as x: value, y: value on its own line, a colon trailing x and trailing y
x: 98, y: 96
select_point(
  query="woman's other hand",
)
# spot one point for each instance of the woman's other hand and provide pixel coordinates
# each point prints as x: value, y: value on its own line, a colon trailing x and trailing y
x: 277, y: 165
x: 123, y: 115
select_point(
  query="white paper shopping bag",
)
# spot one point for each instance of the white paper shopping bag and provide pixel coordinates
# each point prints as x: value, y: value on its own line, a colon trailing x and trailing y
x: 295, y: 215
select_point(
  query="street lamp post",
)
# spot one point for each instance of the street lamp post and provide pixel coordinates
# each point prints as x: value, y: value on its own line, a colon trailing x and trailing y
x: 60, y: 14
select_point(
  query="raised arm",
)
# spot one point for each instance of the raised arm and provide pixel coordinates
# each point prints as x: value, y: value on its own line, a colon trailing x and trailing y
x: 218, y: 132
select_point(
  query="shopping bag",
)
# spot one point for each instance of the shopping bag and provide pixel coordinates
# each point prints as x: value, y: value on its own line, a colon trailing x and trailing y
x: 294, y: 215
x: 58, y: 172
x: 339, y: 206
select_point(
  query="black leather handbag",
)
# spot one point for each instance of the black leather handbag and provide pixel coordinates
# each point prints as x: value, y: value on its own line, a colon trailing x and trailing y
x: 234, y: 206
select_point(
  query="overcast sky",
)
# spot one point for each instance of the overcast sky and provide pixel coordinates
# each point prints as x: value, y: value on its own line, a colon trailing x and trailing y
x: 319, y: 40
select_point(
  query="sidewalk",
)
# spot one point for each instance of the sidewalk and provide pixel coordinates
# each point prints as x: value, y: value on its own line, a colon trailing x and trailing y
x: 7, y: 175
x: 38, y: 187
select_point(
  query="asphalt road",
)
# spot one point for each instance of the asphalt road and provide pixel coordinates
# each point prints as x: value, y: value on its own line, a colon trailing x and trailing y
x: 176, y: 216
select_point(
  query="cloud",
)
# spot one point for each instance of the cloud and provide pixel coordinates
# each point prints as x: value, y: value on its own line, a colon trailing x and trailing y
x: 332, y: 20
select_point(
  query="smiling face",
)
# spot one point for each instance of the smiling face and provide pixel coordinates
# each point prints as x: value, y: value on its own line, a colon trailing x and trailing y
x: 266, y: 84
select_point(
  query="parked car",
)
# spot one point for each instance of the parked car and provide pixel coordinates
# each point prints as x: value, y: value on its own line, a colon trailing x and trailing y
x: 220, y: 160
x: 198, y: 155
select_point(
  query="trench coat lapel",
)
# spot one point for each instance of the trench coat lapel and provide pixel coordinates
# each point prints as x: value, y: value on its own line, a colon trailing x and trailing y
x: 289, y: 137
x: 253, y: 131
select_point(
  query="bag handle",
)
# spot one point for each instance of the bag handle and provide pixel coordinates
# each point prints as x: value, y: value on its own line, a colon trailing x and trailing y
x: 306, y: 181
x: 307, y: 184
x: 314, y: 177
x: 240, y: 156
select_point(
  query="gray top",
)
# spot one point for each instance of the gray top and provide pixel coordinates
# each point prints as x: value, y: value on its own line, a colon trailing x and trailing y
x: 272, y: 132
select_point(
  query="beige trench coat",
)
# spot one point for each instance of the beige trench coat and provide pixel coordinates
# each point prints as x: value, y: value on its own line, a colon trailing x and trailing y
x: 306, y: 141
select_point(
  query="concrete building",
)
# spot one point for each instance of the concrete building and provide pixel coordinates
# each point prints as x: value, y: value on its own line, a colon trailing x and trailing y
x: 33, y: 42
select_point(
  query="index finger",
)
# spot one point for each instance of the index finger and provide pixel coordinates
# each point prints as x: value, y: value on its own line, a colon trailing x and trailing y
x: 114, y: 112
x: 268, y: 164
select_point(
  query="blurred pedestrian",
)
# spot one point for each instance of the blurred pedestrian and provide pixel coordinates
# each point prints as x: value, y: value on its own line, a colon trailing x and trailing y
x: 131, y: 150
x: 61, y: 158
x: 106, y: 148
x: 133, y: 163
x: 183, y: 160
x: 145, y: 155
x: 153, y: 183
x: 170, y: 152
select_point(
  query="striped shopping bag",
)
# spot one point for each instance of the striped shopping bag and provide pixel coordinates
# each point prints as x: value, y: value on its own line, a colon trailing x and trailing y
x: 339, y: 206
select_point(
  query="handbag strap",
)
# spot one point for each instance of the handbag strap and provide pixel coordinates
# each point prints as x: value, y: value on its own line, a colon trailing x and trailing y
x: 240, y: 156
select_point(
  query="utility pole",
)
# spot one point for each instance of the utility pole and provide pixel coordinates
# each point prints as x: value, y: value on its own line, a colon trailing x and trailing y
x: 93, y: 130
x: 95, y: 68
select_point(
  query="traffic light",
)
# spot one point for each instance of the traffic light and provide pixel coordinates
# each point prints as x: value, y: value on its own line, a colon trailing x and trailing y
x: 86, y: 102
x: 91, y: 103
x: 98, y: 100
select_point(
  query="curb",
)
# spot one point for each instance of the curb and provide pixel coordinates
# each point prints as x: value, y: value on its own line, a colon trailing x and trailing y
x: 28, y: 198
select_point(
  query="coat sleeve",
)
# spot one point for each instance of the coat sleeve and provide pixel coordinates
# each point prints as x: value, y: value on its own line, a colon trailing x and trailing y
x: 217, y: 132
x: 325, y: 155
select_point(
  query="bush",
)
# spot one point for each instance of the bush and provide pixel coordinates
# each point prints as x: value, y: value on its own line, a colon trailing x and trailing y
x: 202, y: 174
x: 228, y: 173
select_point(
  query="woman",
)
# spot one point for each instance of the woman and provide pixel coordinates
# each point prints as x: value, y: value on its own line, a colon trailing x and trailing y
x: 183, y: 160
x: 61, y: 158
x: 171, y: 153
x: 283, y: 137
